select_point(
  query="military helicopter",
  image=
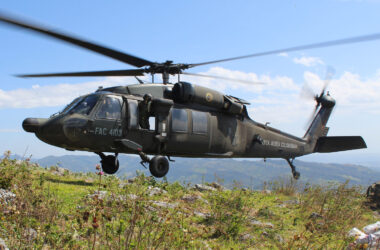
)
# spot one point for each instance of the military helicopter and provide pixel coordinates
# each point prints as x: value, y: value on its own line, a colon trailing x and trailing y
x: 189, y: 120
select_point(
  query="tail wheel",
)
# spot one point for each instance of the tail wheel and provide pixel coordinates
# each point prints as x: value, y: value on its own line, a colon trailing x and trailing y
x: 159, y: 166
x: 110, y: 164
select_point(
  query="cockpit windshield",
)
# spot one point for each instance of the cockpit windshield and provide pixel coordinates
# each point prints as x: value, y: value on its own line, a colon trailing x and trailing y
x: 71, y: 105
x: 84, y: 106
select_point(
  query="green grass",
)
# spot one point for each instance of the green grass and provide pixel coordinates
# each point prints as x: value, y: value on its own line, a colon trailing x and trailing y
x: 58, y: 210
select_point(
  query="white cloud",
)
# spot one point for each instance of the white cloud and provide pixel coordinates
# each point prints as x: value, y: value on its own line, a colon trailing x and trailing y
x: 266, y: 82
x: 352, y: 93
x: 283, y: 54
x: 308, y: 61
x: 53, y: 95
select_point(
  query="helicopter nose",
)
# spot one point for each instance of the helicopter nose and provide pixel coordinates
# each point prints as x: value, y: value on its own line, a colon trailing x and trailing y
x: 33, y: 125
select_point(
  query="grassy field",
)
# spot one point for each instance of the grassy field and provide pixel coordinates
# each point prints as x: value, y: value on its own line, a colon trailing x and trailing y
x: 62, y: 210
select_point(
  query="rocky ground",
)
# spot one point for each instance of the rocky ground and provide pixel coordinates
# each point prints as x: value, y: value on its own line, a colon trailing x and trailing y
x: 54, y: 208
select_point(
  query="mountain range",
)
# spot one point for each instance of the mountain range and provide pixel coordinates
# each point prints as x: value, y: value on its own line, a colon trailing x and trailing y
x: 247, y: 173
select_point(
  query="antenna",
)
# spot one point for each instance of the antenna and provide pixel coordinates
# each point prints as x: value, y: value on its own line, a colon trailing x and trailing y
x: 139, y: 80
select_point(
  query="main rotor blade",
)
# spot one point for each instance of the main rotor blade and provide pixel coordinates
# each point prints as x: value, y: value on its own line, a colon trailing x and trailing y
x: 124, y: 57
x: 356, y: 39
x: 223, y: 78
x: 128, y: 72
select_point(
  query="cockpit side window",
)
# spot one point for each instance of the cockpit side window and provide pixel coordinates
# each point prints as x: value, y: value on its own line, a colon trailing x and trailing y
x: 85, y: 106
x: 133, y: 114
x: 110, y: 108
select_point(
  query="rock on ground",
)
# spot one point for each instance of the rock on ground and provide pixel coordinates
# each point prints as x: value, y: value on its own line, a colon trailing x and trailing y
x: 266, y: 191
x: 155, y: 191
x: 315, y: 215
x: 89, y: 180
x: 245, y: 237
x: 202, y: 215
x: 292, y: 202
x: 60, y: 171
x: 132, y: 196
x: 3, y: 246
x: 30, y: 234
x: 164, y: 204
x: 202, y: 188
x: 279, y: 238
x: 217, y: 186
x: 6, y: 196
x: 191, y: 198
x: 99, y: 194
x: 261, y: 224
x: 123, y: 184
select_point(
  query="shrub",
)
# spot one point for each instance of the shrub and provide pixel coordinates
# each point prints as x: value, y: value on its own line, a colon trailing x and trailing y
x: 10, y: 172
x: 227, y: 214
x: 328, y: 214
x: 286, y: 186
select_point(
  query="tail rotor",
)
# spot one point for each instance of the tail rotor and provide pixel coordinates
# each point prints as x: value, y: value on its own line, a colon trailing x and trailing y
x: 308, y: 93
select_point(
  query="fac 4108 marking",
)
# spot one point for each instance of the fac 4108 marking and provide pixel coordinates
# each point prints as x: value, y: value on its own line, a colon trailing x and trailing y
x: 108, y: 132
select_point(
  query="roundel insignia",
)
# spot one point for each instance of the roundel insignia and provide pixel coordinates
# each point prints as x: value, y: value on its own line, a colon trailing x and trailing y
x: 209, y: 97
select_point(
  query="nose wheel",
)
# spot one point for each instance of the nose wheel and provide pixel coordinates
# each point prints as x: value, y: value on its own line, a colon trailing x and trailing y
x: 110, y: 163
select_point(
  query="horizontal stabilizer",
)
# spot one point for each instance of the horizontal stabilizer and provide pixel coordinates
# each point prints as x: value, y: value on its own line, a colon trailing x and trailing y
x: 327, y: 144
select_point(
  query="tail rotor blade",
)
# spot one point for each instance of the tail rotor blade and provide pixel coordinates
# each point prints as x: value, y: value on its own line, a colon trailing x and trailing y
x: 330, y: 72
x: 306, y: 92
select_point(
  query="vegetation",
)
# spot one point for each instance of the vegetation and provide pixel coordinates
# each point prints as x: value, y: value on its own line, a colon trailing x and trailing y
x: 54, y: 210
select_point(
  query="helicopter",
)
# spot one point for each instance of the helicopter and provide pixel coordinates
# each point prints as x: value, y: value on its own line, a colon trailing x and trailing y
x: 188, y: 120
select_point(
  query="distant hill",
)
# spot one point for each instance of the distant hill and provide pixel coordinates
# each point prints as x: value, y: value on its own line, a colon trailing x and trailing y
x: 249, y: 173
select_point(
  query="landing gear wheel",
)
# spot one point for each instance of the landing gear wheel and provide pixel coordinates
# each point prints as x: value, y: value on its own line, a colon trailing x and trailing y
x: 296, y: 175
x: 159, y: 166
x: 110, y: 164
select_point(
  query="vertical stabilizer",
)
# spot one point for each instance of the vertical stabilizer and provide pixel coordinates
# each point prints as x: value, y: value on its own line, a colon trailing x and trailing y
x: 318, y: 127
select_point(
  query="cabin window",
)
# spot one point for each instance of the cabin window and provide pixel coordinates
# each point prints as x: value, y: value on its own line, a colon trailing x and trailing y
x: 110, y: 108
x: 179, y: 120
x: 133, y: 114
x: 199, y: 122
x: 85, y: 106
x: 152, y: 123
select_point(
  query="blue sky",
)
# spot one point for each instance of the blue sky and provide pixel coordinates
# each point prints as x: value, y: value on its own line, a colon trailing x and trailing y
x: 197, y: 31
